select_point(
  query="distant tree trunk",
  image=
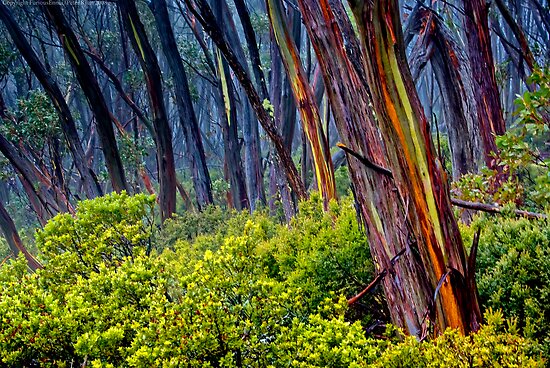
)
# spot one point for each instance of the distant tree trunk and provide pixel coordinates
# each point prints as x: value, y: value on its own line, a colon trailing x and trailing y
x: 526, y: 53
x: 91, y: 89
x: 251, y: 135
x: 163, y: 133
x: 453, y: 76
x: 489, y: 110
x: 68, y: 126
x: 188, y: 120
x: 51, y: 198
x: 399, y: 184
x: 253, y: 157
x: 205, y: 16
x: 285, y: 114
x: 305, y: 100
x: 14, y: 241
x: 250, y: 37
x: 288, y: 103
x: 278, y: 190
x: 232, y: 148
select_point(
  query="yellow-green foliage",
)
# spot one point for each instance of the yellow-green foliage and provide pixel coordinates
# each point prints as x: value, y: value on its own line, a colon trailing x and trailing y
x: 322, y: 342
x: 513, y: 272
x: 260, y: 295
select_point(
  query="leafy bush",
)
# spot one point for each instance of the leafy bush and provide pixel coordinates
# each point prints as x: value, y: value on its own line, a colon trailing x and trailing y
x: 513, y: 272
x: 322, y: 342
x: 35, y: 121
x: 249, y: 292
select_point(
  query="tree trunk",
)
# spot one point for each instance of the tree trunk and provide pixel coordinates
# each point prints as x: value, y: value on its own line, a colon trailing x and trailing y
x: 188, y: 120
x: 204, y: 15
x: 399, y: 184
x: 90, y: 87
x: 489, y: 111
x: 163, y: 133
x: 51, y: 199
x: 14, y: 241
x: 305, y: 100
x: 451, y: 69
x: 232, y: 148
x: 251, y: 134
x: 526, y: 53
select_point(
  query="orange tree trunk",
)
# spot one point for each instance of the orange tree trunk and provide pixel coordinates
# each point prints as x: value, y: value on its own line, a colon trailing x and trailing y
x: 399, y: 184
x: 305, y: 100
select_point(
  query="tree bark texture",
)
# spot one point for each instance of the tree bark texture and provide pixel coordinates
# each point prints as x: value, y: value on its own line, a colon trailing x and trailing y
x: 450, y: 65
x: 489, y: 109
x: 399, y: 184
x: 305, y: 100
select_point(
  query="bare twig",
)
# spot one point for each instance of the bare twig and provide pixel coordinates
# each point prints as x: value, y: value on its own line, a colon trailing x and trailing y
x: 490, y: 208
x: 365, y: 161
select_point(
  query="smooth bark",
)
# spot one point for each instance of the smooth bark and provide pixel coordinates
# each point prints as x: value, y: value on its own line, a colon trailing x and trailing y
x: 163, y: 133
x: 187, y: 117
x: 90, y: 87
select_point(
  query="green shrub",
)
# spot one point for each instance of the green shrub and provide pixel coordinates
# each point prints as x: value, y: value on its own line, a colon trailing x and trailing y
x: 322, y: 342
x: 247, y: 293
x: 513, y: 272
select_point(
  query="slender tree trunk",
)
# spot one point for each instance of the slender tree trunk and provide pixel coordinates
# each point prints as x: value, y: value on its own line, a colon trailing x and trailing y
x: 278, y: 190
x: 204, y: 15
x: 91, y: 89
x: 285, y: 114
x: 251, y: 135
x: 232, y: 149
x: 188, y: 120
x: 163, y: 133
x: 14, y: 241
x: 51, y: 198
x: 526, y: 53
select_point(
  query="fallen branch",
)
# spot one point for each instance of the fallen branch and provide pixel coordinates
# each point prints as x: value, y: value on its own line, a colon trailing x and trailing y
x: 365, y: 161
x: 366, y: 290
x: 491, y: 208
x: 377, y: 279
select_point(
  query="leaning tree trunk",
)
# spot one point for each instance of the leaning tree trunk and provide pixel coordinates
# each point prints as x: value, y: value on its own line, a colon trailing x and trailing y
x: 14, y: 241
x: 163, y: 133
x: 399, y: 184
x: 232, y: 149
x: 188, y: 120
x: 91, y: 89
x: 205, y: 16
x: 250, y: 131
